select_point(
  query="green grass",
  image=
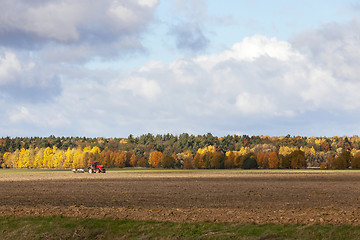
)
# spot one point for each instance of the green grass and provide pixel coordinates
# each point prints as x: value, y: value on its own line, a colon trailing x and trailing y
x: 58, y: 227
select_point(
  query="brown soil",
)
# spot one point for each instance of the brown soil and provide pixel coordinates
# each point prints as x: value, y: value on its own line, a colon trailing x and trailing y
x: 308, y: 197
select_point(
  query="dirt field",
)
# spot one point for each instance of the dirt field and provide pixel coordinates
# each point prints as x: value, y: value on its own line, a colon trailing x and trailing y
x: 308, y: 197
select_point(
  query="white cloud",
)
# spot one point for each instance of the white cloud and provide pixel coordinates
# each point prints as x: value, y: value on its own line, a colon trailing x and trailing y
x: 82, y: 29
x: 253, y: 104
x: 8, y: 64
x: 22, y: 113
x: 252, y: 48
x: 273, y: 81
x: 40, y: 116
x: 11, y: 68
x: 148, y: 3
x: 141, y: 87
x: 258, y: 80
x: 55, y: 20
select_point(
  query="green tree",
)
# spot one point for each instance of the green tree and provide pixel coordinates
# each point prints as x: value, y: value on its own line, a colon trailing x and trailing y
x: 167, y: 161
x: 249, y: 161
x: 217, y: 160
x: 285, y: 162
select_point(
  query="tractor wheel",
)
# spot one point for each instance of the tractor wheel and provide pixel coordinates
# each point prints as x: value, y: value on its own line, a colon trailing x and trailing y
x: 97, y: 170
x: 90, y: 170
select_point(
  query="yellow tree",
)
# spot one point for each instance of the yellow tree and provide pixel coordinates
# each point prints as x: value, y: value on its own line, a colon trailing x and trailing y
x: 77, y: 159
x: 87, y: 158
x: 244, y: 150
x: 87, y: 149
x: 48, y: 158
x: 14, y: 158
x: 30, y: 154
x: 59, y: 157
x: 6, y: 158
x: 155, y: 159
x: 39, y: 158
x: 285, y: 150
x: 68, y: 158
x: 22, y: 162
x: 95, y: 150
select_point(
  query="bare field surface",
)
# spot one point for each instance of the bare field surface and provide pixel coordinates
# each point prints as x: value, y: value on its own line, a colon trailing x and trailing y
x: 281, y: 197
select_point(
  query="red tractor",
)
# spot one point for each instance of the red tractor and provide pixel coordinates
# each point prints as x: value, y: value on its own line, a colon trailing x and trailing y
x: 95, y: 167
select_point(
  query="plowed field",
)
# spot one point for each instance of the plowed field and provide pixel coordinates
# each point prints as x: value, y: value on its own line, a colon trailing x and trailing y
x: 325, y: 197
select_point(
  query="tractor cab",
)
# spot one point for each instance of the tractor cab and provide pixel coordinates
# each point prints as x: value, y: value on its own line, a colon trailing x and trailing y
x: 94, y: 164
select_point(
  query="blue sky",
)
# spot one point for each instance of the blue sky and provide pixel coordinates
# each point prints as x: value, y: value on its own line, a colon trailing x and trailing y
x: 117, y: 67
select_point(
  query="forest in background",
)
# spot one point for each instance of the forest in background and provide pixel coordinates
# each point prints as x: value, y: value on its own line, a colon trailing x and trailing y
x: 182, y: 151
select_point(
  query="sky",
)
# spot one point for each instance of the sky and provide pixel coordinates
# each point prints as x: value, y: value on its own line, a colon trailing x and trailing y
x: 112, y: 68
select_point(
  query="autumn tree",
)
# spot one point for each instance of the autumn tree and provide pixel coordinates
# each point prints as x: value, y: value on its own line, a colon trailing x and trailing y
x: 355, y: 162
x: 342, y: 161
x: 188, y: 163
x: 185, y: 159
x: 2, y: 164
x: 297, y: 159
x: 39, y: 158
x: 330, y: 161
x: 48, y: 158
x: 260, y: 158
x: 77, y: 159
x: 141, y: 162
x: 239, y: 160
x: 133, y: 160
x: 120, y: 159
x: 68, y: 158
x: 6, y: 159
x: 273, y: 160
x: 155, y: 159
x: 325, y: 146
x: 23, y: 160
x: 229, y: 161
x: 323, y: 166
x: 86, y: 159
x: 197, y: 160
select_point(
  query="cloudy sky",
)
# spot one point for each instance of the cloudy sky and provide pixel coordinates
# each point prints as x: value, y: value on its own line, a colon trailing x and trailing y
x: 112, y: 68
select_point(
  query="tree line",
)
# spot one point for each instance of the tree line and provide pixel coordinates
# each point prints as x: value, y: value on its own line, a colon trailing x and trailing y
x: 182, y: 151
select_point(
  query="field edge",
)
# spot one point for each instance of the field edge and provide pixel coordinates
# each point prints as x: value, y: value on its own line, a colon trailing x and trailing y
x: 50, y: 227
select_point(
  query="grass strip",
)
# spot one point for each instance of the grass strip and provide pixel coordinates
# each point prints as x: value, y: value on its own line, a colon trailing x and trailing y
x: 59, y: 227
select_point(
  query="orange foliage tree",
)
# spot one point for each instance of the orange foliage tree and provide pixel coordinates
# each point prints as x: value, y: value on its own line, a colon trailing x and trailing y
x: 273, y: 160
x: 155, y: 159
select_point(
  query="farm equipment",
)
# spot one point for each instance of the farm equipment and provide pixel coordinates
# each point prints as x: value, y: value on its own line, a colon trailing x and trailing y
x: 95, y: 167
